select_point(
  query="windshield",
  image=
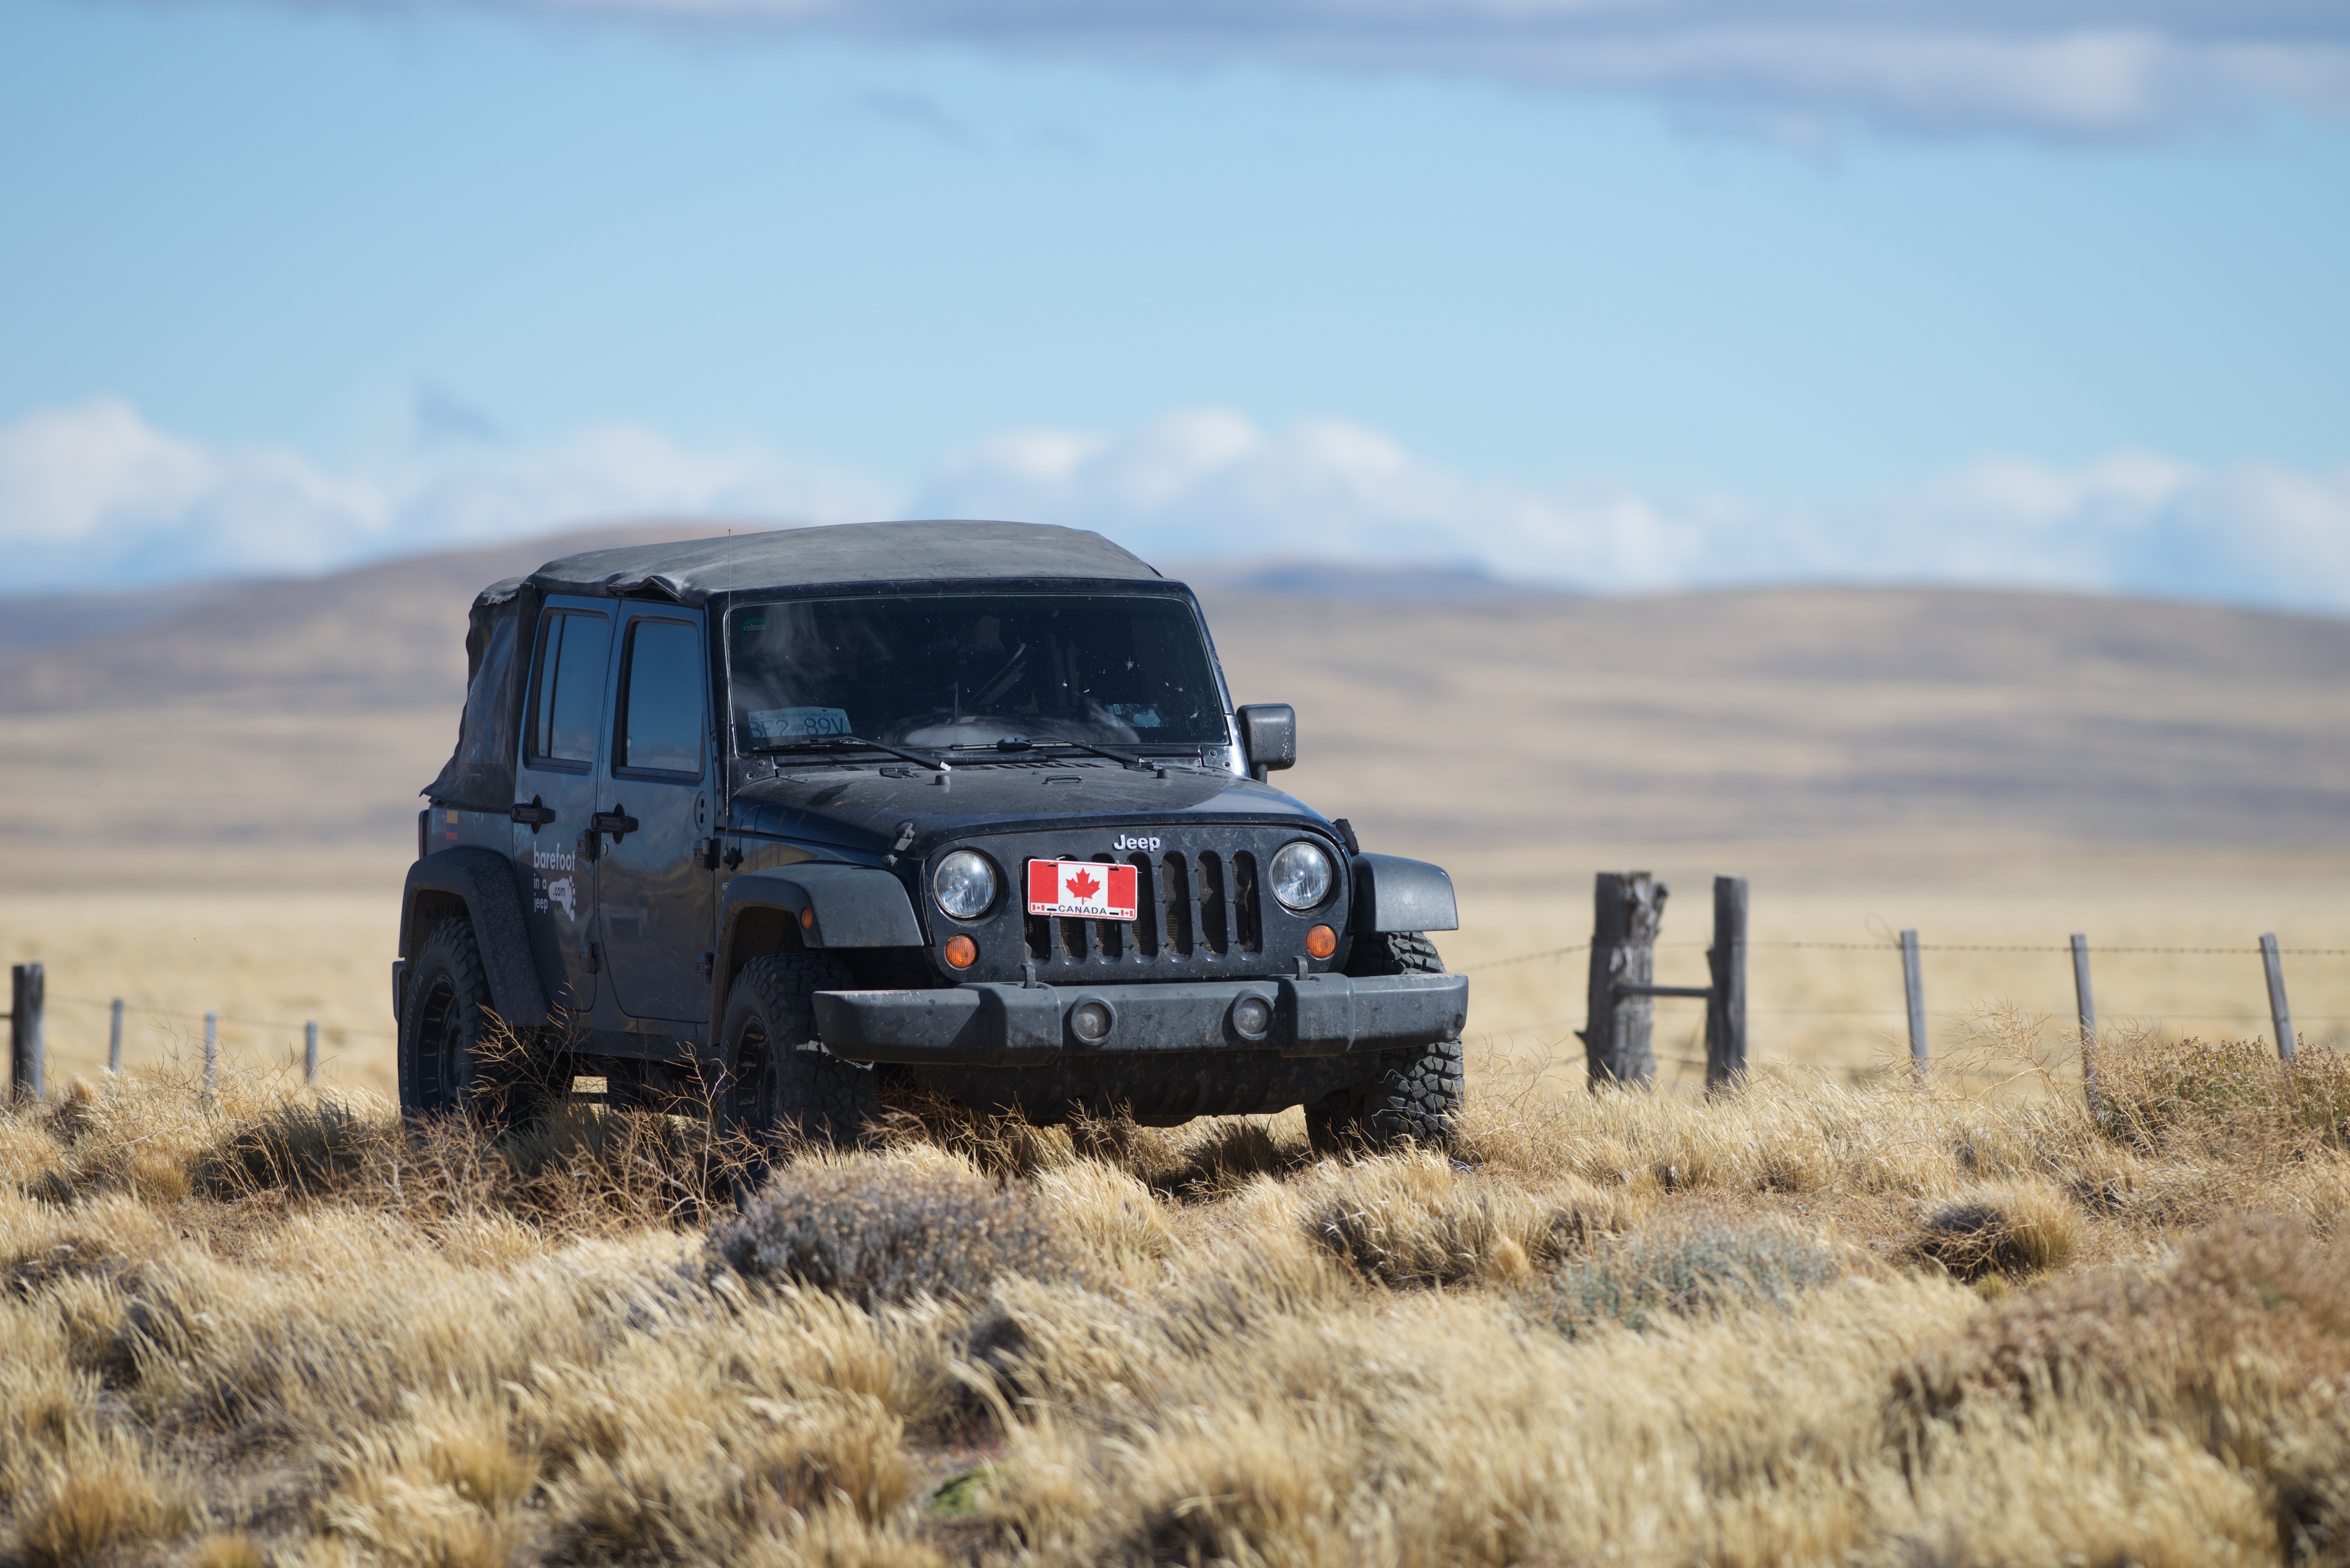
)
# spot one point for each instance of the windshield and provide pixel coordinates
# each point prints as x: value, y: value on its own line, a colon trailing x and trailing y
x: 971, y: 669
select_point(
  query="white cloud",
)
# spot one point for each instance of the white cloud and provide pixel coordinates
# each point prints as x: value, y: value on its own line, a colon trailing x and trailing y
x: 1210, y: 484
x: 2062, y: 68
x: 93, y: 496
x: 99, y: 478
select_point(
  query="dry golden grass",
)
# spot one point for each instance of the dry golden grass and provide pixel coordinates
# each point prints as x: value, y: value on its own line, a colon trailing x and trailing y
x: 1815, y: 1322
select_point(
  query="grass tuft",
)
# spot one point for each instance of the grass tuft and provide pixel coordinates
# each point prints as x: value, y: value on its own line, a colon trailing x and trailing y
x: 2017, y: 1229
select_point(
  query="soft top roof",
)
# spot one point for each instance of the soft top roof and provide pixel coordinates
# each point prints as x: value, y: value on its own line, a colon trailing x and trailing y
x: 692, y: 571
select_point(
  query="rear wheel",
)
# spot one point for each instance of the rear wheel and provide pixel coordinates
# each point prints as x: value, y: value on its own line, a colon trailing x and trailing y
x: 1415, y: 1097
x: 454, y: 1056
x: 781, y: 1084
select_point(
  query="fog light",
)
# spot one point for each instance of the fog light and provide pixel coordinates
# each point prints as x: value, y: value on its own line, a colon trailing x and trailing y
x: 1090, y: 1020
x: 1321, y: 941
x: 1251, y: 1016
x: 961, y: 951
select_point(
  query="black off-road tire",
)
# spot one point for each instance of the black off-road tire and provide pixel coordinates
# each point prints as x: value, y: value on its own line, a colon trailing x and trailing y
x: 781, y: 1086
x: 1415, y: 1097
x: 454, y: 1057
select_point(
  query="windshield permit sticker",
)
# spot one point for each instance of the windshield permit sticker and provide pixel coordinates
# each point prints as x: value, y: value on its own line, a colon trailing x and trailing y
x: 772, y: 724
x: 1082, y: 889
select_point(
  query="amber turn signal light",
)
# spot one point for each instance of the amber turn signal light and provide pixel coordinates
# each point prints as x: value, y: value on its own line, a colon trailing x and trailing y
x: 1321, y: 941
x: 808, y: 919
x: 961, y: 951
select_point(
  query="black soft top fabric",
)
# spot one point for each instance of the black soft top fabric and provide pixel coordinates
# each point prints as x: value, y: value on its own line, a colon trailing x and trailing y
x: 479, y: 774
x: 692, y: 571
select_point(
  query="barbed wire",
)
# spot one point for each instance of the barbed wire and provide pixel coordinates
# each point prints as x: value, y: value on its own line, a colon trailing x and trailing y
x: 323, y: 1027
x: 1895, y: 948
x: 1523, y: 958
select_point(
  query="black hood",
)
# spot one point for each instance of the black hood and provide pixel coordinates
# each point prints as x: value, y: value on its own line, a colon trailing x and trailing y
x: 857, y: 807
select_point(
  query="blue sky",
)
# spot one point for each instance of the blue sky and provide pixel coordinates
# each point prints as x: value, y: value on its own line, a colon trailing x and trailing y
x: 284, y: 287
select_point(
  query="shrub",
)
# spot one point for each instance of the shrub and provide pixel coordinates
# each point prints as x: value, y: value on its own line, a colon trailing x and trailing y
x: 1702, y: 1270
x: 2235, y: 1091
x: 2242, y: 1342
x: 883, y: 1230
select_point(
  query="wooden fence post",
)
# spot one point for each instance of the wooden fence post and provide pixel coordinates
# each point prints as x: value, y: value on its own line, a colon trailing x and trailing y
x: 212, y: 1047
x: 27, y: 997
x: 1913, y: 986
x: 114, y: 1037
x: 1626, y: 909
x: 2279, y: 1013
x: 310, y: 1052
x: 1725, y: 1010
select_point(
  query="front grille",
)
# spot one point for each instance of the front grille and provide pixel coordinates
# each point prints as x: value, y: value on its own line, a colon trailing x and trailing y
x: 1187, y: 907
x: 1201, y: 910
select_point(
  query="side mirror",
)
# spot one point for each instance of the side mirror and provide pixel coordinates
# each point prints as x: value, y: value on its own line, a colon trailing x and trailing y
x: 1269, y: 736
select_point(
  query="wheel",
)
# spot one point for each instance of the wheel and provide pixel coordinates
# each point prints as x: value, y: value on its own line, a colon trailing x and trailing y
x: 1417, y: 1094
x: 780, y: 1083
x: 454, y: 1057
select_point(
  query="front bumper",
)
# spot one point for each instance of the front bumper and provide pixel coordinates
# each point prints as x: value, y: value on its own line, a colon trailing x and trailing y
x: 1003, y: 1023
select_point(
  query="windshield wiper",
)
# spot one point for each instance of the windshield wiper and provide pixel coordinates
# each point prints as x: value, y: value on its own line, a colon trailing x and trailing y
x: 1132, y: 760
x: 833, y: 743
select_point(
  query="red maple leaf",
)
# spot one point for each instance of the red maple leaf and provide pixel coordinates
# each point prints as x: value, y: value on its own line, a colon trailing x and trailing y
x: 1082, y: 885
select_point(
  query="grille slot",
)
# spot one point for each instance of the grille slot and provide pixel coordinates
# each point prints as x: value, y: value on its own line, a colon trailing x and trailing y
x: 1248, y: 916
x: 1176, y: 897
x: 1214, y: 935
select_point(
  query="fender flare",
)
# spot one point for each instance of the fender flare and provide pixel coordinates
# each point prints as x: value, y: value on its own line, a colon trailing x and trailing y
x: 1393, y: 894
x: 484, y: 882
x: 831, y: 906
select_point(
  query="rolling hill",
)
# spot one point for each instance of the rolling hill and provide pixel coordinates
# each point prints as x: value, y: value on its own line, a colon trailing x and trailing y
x: 277, y: 731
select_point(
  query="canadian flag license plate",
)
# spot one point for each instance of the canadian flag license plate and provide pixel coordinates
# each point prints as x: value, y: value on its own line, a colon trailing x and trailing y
x: 1081, y: 889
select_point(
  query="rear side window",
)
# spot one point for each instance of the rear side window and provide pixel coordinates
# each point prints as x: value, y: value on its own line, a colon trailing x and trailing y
x: 567, y: 700
x: 661, y: 708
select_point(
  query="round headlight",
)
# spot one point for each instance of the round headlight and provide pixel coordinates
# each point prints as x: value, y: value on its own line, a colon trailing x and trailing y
x: 1300, y: 875
x: 964, y: 884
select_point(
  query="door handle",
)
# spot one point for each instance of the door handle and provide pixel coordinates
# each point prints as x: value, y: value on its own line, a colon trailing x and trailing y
x: 534, y: 815
x: 616, y: 822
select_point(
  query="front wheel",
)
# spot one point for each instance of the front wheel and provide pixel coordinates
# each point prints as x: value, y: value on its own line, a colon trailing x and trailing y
x: 781, y: 1085
x: 1416, y: 1097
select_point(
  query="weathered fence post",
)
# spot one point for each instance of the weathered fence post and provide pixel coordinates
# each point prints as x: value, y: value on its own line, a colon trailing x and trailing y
x: 212, y: 1047
x: 310, y: 1052
x: 28, y: 995
x: 1725, y: 1010
x: 1913, y: 986
x: 1626, y: 909
x: 2279, y: 1013
x: 2086, y: 1007
x: 114, y: 1037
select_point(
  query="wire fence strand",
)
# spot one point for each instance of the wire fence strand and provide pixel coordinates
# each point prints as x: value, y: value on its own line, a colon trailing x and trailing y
x: 224, y: 1017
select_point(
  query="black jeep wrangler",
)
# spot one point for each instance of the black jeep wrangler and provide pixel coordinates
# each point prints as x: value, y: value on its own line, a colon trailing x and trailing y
x: 787, y: 821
